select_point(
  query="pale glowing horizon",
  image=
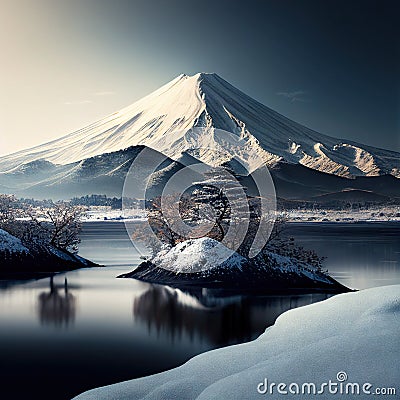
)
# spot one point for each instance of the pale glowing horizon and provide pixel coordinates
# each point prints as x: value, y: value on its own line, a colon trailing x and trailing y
x: 68, y: 64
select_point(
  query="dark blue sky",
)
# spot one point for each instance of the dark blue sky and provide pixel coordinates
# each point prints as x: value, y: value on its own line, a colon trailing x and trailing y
x: 331, y: 65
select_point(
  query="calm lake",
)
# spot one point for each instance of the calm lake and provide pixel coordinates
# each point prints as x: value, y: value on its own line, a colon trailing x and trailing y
x: 86, y: 328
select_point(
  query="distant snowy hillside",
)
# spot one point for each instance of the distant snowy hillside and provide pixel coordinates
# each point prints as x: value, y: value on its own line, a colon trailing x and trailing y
x: 351, y: 338
x: 103, y: 174
x: 163, y: 121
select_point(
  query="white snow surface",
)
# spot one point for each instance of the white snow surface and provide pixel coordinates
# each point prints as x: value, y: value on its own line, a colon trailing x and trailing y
x: 356, y: 333
x: 196, y: 255
x: 289, y: 265
x: 205, y: 254
x: 372, y: 214
x: 11, y: 243
x: 164, y: 119
x: 62, y: 254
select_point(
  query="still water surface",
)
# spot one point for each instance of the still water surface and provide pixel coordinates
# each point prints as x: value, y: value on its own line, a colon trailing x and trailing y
x: 86, y: 328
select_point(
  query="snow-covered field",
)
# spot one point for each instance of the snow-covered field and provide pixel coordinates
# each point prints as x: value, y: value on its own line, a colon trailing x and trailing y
x: 105, y: 213
x: 347, y: 343
x: 381, y: 214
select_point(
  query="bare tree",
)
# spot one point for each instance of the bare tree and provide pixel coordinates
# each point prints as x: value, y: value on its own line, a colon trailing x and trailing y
x: 212, y: 209
x: 59, y: 226
x: 7, y: 212
x: 221, y: 201
x: 10, y: 211
x: 159, y: 217
x: 161, y: 228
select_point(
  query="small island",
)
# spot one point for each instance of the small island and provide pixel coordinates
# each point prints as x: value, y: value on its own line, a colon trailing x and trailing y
x: 192, y: 244
x: 38, y: 244
x: 196, y: 263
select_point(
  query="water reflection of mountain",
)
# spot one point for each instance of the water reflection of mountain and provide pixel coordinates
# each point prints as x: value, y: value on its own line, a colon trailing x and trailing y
x: 57, y: 307
x: 223, y: 320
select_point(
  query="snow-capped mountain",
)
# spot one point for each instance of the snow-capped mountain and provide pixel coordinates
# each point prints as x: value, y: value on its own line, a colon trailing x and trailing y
x: 164, y: 120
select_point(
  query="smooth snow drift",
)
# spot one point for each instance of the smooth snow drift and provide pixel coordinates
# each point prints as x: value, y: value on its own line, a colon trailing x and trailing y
x: 164, y: 120
x: 353, y: 334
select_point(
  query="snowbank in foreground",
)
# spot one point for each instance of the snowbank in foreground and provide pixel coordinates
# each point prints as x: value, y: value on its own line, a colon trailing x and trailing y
x: 354, y: 333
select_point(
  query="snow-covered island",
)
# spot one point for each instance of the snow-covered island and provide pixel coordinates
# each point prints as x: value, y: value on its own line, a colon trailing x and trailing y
x: 217, y: 236
x: 348, y: 344
x: 205, y: 262
x: 37, y: 242
x: 21, y: 261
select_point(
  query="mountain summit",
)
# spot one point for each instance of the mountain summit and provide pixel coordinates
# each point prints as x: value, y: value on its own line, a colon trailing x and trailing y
x: 164, y: 119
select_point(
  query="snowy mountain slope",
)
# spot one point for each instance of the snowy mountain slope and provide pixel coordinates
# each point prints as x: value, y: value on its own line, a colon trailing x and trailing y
x: 70, y: 178
x: 295, y: 181
x: 164, y: 119
x: 104, y: 174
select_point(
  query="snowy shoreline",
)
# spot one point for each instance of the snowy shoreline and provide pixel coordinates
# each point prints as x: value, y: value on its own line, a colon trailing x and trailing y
x: 344, y: 216
x: 294, y: 220
x: 336, y: 339
x: 381, y: 214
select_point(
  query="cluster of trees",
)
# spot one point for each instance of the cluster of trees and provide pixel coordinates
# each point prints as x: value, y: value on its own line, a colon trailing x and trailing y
x: 35, y: 202
x: 284, y: 245
x: 57, y: 225
x: 284, y: 204
x: 9, y: 257
x: 97, y: 200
